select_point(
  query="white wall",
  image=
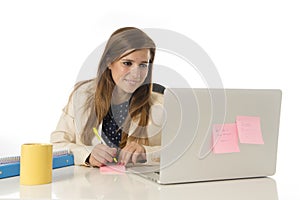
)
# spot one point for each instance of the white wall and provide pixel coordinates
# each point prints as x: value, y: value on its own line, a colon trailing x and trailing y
x: 43, y: 44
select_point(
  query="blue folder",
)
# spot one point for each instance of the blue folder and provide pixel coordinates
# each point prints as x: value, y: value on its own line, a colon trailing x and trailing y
x: 13, y: 169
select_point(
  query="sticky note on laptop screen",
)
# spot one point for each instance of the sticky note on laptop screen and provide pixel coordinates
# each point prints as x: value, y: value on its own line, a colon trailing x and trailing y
x: 225, y: 139
x: 249, y: 129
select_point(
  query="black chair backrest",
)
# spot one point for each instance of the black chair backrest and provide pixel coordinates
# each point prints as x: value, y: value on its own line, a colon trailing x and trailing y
x: 158, y: 88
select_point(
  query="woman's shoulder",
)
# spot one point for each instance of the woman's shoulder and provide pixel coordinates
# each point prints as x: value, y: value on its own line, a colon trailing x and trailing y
x: 157, y: 98
x: 157, y: 110
x: 83, y: 91
x: 87, y: 86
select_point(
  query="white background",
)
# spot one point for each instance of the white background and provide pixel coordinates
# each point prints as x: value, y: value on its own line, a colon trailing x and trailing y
x: 43, y: 44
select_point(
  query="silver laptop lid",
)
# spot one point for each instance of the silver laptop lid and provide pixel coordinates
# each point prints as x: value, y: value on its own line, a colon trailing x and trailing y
x: 188, y: 147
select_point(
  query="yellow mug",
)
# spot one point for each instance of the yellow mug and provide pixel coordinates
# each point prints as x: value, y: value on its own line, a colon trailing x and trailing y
x: 36, y: 164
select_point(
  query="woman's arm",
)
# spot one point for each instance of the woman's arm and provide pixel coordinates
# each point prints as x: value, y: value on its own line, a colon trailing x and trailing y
x: 153, y: 150
x: 66, y: 136
x: 157, y: 119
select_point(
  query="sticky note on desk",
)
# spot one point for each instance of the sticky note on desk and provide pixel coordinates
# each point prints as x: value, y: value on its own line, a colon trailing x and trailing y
x: 249, y: 129
x: 113, y: 169
x: 225, y: 139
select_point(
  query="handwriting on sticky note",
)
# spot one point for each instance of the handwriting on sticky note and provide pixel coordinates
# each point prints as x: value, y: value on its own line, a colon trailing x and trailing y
x: 225, y: 139
x: 249, y: 129
x: 113, y: 169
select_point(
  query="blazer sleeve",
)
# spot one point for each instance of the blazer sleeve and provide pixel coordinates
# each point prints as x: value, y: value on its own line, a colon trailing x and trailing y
x: 153, y: 153
x: 67, y: 136
x: 157, y: 120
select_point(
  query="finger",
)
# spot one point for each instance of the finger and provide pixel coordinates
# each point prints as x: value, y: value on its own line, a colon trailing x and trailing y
x: 100, y: 156
x: 135, y: 156
x: 111, y: 151
x: 128, y: 154
x: 139, y: 154
x: 103, y: 154
x: 122, y: 154
x: 94, y: 162
x: 136, y: 153
x: 142, y: 158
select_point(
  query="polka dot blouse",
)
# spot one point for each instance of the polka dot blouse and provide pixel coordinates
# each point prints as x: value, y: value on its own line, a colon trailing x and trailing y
x: 111, y: 133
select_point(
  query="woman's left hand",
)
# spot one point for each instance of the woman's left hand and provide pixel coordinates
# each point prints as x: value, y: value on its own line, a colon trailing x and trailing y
x: 132, y: 152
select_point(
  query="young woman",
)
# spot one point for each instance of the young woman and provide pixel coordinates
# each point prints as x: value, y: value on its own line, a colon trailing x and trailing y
x: 118, y: 104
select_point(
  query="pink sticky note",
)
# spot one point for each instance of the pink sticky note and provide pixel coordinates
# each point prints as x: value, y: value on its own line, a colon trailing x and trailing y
x: 113, y: 169
x: 249, y: 130
x: 225, y: 139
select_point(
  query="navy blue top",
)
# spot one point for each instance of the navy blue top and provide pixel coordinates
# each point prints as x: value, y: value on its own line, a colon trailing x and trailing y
x: 116, y: 116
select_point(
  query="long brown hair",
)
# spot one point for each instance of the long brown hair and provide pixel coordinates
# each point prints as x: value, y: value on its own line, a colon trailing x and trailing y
x: 122, y: 40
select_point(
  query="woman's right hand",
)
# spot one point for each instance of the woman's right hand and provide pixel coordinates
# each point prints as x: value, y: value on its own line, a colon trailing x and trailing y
x: 101, y: 154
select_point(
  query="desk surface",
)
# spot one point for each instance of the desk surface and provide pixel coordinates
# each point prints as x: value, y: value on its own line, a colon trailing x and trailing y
x: 77, y: 182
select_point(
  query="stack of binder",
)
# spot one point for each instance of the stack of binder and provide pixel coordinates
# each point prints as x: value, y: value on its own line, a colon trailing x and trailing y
x: 10, y: 166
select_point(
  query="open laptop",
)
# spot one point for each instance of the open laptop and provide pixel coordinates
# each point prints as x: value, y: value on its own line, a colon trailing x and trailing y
x: 191, y: 151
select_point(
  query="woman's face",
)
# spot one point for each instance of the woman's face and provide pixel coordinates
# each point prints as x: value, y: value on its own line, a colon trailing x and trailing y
x: 130, y: 71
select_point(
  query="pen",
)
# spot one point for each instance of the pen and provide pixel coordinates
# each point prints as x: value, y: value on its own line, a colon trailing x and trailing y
x: 100, y: 139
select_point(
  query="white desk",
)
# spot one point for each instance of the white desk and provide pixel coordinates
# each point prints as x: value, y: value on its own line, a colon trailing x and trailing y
x: 88, y: 183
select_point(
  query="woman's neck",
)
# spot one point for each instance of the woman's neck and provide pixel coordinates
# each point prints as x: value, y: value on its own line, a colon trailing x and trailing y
x: 119, y: 96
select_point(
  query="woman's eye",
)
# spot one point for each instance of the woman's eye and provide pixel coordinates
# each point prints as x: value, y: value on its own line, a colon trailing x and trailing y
x: 144, y: 65
x: 127, y: 64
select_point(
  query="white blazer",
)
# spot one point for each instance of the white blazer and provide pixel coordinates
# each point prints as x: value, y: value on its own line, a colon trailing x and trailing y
x: 73, y: 118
